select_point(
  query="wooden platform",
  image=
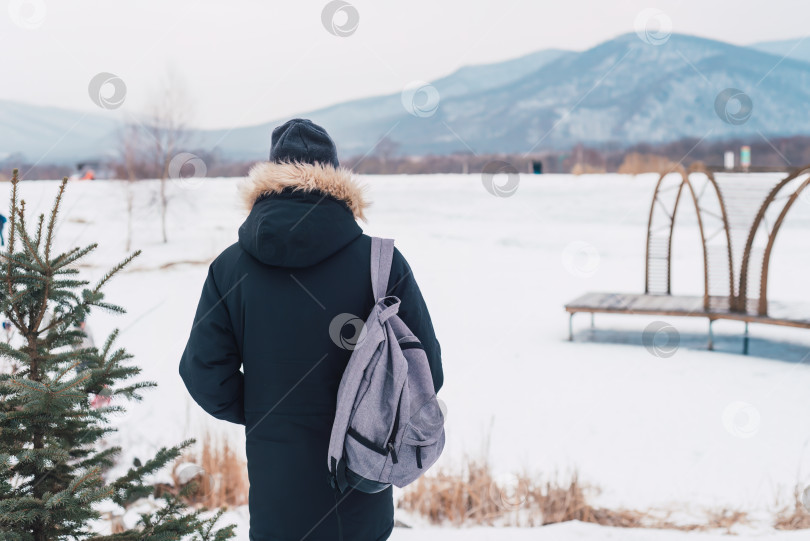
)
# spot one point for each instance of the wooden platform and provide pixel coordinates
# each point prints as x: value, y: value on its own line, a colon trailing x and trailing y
x: 791, y: 315
x: 785, y: 314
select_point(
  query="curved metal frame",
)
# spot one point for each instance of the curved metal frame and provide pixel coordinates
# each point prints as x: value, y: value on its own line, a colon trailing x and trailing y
x: 736, y: 308
x: 656, y: 198
x: 737, y: 291
x: 762, y: 308
x: 695, y: 168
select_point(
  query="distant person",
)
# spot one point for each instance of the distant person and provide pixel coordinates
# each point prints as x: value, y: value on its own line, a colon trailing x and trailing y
x: 261, y: 353
x: 8, y: 331
x: 3, y: 221
x: 8, y: 365
x: 101, y: 399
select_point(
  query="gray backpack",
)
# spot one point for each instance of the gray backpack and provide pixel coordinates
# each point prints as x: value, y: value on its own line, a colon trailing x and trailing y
x: 389, y: 427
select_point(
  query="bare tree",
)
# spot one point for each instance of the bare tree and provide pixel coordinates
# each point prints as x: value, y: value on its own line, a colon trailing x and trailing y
x: 131, y: 167
x: 167, y: 122
x: 385, y: 150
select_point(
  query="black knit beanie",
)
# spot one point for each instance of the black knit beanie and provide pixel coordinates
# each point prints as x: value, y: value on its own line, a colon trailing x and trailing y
x: 301, y: 140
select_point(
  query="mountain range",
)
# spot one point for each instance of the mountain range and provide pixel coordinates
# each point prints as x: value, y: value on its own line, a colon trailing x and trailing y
x: 619, y: 93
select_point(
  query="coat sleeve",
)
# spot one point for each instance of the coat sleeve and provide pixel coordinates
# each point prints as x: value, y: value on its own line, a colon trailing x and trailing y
x: 414, y: 312
x: 210, y: 366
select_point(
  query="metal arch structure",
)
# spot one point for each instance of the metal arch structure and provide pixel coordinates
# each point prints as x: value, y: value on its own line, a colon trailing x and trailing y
x: 792, y: 182
x: 668, y: 197
x: 742, y: 207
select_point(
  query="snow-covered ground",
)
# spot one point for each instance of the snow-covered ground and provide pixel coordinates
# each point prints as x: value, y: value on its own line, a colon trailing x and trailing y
x: 685, y: 432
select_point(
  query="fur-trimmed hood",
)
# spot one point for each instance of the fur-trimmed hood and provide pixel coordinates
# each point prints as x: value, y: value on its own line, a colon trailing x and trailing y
x: 300, y: 214
x: 269, y: 178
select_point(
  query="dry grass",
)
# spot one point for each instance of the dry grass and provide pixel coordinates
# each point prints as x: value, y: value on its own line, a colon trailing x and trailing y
x: 456, y: 498
x: 217, y: 470
x: 470, y: 495
x: 636, y: 163
x: 795, y: 517
x: 116, y: 521
x: 171, y: 264
x: 725, y: 519
x: 586, y: 169
x: 474, y: 496
x: 564, y: 502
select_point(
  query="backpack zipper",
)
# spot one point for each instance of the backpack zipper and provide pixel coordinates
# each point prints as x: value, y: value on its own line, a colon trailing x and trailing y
x: 393, y: 453
x: 390, y: 444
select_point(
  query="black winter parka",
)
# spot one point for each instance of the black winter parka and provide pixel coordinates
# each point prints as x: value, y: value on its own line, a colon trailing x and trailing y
x: 261, y: 352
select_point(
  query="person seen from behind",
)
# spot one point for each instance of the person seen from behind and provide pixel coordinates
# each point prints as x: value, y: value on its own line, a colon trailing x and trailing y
x: 260, y: 353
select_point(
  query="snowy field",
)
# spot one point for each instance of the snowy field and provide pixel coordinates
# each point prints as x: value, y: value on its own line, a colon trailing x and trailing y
x: 695, y: 430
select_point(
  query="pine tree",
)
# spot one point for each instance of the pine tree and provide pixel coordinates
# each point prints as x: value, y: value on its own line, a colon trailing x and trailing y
x: 51, y: 467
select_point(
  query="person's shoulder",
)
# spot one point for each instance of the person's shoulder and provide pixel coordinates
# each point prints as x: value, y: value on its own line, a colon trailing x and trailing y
x: 231, y: 253
x: 227, y: 262
x: 399, y: 265
x: 400, y: 269
x: 363, y: 240
x: 399, y: 257
x: 398, y: 261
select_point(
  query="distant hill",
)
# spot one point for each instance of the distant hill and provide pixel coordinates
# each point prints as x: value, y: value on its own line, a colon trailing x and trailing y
x: 795, y: 49
x: 622, y: 92
x: 619, y: 93
x: 53, y: 134
x: 359, y: 124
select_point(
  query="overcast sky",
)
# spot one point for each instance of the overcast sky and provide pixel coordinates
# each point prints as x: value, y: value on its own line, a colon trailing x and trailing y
x: 250, y: 61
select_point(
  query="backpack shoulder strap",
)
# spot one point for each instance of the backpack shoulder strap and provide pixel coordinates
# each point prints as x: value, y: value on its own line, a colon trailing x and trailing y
x: 382, y: 254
